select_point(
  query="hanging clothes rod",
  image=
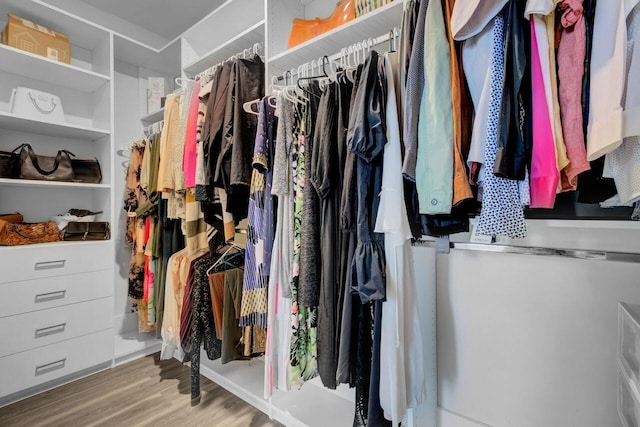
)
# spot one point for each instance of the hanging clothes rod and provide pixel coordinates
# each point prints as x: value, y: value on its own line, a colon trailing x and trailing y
x: 255, y: 49
x: 586, y: 254
x: 355, y: 49
x: 153, y: 128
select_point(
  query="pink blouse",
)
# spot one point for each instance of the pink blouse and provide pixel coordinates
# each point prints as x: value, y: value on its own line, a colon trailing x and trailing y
x: 544, y: 170
x: 190, y: 144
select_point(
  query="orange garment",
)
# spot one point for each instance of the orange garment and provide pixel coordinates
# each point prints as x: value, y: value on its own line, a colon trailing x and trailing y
x: 461, y: 116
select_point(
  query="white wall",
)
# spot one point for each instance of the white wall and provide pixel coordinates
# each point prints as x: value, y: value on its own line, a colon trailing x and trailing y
x: 530, y: 341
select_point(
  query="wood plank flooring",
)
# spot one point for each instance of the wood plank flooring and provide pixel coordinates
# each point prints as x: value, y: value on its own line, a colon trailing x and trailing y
x: 145, y: 392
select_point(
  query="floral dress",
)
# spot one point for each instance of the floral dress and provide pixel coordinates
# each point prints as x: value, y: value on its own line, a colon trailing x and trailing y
x: 303, y: 361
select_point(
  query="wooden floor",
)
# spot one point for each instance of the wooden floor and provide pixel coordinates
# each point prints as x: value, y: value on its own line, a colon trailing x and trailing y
x: 145, y: 392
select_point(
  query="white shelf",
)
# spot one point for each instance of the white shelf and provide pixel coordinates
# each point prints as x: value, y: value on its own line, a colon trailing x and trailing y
x: 296, y: 407
x: 38, y: 67
x: 300, y: 407
x: 244, y: 40
x: 66, y: 130
x: 8, y: 182
x: 231, y: 18
x: 373, y: 24
x: 165, y: 61
x: 154, y: 117
x: 242, y: 378
x: 80, y: 32
x: 58, y: 245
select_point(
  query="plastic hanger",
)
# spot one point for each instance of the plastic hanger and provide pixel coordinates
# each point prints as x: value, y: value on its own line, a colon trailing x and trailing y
x: 248, y: 106
x: 221, y: 259
x: 325, y: 59
x: 182, y: 82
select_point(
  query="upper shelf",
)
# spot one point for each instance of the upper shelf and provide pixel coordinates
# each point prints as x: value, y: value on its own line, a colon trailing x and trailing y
x: 153, y: 117
x: 37, y: 67
x: 81, y: 33
x: 244, y: 40
x: 224, y: 23
x: 165, y: 61
x: 23, y: 124
x: 372, y: 24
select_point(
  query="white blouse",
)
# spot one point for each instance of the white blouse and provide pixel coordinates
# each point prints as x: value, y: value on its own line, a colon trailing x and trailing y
x: 469, y: 17
x: 610, y: 120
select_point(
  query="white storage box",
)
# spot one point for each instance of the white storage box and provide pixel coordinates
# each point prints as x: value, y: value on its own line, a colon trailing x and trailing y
x: 629, y: 341
x: 628, y: 402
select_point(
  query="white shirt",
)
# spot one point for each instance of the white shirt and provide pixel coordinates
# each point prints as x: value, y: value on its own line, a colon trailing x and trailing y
x: 623, y: 163
x: 470, y: 17
x: 402, y: 373
x: 476, y: 58
x: 609, y: 123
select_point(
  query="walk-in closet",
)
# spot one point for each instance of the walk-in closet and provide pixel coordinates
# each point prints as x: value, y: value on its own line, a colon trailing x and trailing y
x: 422, y: 213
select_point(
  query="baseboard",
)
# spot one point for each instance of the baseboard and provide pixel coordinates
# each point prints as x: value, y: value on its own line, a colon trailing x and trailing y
x: 128, y: 350
x: 447, y: 418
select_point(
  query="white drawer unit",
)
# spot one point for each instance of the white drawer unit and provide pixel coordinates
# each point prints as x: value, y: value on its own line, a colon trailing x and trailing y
x: 56, y: 259
x: 40, y: 328
x: 40, y: 294
x: 21, y: 371
x: 628, y: 402
x: 629, y: 342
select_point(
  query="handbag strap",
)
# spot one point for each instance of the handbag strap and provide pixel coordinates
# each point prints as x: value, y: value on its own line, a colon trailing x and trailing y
x: 20, y: 147
x: 34, y: 101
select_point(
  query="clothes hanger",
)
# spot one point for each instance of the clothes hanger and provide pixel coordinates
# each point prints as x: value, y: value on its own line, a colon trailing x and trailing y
x: 182, y: 82
x: 220, y: 260
x: 248, y: 106
x: 325, y: 59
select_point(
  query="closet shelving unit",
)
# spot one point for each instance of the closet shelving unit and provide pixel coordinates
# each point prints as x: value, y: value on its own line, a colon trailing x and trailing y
x: 246, y: 379
x: 52, y: 287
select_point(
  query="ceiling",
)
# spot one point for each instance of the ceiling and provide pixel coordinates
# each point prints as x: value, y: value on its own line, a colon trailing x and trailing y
x: 167, y: 18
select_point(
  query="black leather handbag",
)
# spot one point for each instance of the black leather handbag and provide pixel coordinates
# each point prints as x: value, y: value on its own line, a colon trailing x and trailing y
x: 10, y: 163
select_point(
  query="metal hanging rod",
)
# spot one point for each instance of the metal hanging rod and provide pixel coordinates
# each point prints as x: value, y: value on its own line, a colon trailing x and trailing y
x: 586, y: 254
x: 153, y: 128
x: 357, y: 51
x: 254, y: 50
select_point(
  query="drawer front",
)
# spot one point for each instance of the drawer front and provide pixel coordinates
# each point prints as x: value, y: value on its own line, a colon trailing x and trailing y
x: 39, y: 294
x: 56, y: 259
x: 40, y: 328
x: 30, y: 368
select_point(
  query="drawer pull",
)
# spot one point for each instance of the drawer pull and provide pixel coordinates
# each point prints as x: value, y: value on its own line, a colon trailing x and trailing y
x: 48, y: 296
x: 50, y: 330
x: 48, y: 265
x: 48, y: 367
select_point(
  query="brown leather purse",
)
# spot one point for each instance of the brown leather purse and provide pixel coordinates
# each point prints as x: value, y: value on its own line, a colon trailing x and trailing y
x: 11, y: 217
x: 24, y: 233
x: 306, y: 29
x: 47, y: 168
x: 79, y: 231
